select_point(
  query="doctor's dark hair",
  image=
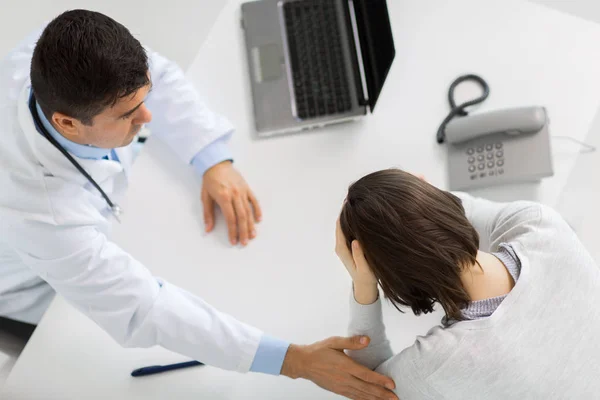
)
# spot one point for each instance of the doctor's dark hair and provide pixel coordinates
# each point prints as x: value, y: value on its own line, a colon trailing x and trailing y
x: 84, y: 62
x: 415, y: 237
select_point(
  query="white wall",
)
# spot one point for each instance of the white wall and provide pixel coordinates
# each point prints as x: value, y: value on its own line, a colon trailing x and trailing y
x: 589, y: 9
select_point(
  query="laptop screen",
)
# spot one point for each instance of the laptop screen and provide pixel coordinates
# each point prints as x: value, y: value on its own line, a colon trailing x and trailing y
x: 376, y: 42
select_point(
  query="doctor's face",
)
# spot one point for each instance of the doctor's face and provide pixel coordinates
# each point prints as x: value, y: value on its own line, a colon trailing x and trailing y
x: 118, y: 125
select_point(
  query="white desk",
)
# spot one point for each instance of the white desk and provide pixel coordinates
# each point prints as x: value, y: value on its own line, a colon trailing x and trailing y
x: 288, y: 282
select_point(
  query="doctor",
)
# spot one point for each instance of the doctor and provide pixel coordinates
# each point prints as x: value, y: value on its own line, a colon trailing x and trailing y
x: 71, y: 105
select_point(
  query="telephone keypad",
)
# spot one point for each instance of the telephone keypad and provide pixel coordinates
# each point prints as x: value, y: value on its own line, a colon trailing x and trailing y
x: 493, y: 153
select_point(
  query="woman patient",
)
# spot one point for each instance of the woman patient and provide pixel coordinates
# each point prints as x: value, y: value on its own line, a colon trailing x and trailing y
x: 522, y: 321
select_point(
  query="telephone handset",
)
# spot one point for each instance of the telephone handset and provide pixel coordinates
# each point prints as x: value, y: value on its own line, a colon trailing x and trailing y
x: 512, y: 122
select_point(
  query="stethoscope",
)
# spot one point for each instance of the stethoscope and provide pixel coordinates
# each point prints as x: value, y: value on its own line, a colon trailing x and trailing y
x: 114, y: 207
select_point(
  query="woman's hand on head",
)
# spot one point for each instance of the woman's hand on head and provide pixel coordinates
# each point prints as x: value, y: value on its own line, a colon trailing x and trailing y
x: 342, y: 250
x: 363, y: 278
x: 420, y: 176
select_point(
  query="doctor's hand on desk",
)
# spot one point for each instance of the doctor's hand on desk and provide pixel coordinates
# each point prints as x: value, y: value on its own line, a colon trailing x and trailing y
x: 325, y: 364
x: 224, y: 185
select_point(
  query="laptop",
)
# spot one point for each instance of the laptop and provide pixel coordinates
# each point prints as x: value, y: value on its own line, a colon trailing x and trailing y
x: 315, y: 62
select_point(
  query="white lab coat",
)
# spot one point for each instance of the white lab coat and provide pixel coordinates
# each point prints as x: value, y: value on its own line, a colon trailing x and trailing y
x: 54, y: 226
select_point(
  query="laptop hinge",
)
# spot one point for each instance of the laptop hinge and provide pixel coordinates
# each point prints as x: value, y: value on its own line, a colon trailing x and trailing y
x: 364, y: 99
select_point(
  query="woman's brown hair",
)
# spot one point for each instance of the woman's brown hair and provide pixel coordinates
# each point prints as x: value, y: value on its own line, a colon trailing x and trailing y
x: 415, y: 237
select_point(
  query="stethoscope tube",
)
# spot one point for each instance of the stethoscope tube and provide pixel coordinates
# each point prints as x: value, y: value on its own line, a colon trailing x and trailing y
x: 114, y: 207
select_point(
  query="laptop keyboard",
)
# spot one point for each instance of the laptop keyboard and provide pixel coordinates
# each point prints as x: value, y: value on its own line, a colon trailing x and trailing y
x: 317, y: 61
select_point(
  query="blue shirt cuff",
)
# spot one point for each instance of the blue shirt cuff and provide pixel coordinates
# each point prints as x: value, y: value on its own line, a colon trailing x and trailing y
x: 270, y: 355
x: 211, y: 155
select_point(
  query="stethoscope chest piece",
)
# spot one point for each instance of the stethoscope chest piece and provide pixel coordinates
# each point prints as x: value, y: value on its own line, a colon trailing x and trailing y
x: 117, y: 211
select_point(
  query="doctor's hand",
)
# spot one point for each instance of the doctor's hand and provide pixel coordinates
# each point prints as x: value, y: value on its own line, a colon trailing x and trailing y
x: 325, y: 364
x: 222, y: 184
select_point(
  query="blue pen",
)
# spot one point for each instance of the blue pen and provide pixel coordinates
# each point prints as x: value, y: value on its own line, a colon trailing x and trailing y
x: 156, y: 369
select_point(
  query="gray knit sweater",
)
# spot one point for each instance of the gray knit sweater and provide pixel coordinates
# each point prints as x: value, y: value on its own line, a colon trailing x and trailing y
x: 539, y: 342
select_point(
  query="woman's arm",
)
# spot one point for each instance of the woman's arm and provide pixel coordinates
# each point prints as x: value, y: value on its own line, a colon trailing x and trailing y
x: 365, y: 307
x: 367, y: 319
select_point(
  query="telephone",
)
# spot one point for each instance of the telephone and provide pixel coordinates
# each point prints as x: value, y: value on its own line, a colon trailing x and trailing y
x: 498, y: 147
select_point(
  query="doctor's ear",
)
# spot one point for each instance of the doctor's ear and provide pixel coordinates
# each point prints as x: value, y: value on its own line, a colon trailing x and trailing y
x: 67, y: 126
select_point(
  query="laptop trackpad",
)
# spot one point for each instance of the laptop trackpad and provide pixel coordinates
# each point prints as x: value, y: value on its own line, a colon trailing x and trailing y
x: 267, y: 62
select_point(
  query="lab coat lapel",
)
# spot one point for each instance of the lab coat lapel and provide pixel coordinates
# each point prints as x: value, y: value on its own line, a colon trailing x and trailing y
x: 125, y: 155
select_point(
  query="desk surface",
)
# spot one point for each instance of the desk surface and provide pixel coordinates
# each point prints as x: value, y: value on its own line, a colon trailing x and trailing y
x: 288, y: 281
